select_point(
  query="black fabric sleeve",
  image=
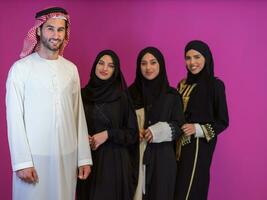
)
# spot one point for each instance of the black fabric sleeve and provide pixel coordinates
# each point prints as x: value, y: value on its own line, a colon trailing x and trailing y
x: 220, y: 112
x: 177, y: 117
x: 128, y: 133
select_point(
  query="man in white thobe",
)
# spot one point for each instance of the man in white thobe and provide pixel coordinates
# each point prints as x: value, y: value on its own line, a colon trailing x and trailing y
x: 47, y: 130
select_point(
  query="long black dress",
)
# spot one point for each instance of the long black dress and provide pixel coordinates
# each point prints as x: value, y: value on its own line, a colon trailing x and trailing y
x: 204, y: 103
x: 161, y: 103
x: 112, y: 171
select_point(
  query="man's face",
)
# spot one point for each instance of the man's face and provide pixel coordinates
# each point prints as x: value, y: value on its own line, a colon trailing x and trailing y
x: 52, y: 34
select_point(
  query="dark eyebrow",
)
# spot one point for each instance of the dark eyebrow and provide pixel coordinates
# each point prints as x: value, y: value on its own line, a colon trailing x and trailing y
x: 104, y: 61
x: 51, y: 26
x: 188, y: 56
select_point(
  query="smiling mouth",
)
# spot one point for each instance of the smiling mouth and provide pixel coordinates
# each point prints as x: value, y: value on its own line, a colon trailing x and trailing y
x: 193, y: 68
x: 55, y: 42
x: 103, y: 73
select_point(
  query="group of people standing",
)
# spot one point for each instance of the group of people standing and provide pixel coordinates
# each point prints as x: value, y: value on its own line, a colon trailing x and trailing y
x: 146, y: 142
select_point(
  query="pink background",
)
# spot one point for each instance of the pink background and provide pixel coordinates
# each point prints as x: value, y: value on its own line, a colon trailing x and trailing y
x: 237, y: 34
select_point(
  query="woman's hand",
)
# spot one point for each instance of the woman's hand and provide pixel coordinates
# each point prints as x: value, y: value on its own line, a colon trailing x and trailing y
x: 148, y: 136
x: 142, y: 134
x: 97, y: 139
x: 189, y: 129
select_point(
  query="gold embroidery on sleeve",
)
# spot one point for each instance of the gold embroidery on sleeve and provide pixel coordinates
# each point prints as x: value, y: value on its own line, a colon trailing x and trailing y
x: 208, y: 131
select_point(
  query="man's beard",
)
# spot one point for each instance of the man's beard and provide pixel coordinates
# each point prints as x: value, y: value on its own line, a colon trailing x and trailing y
x: 46, y: 43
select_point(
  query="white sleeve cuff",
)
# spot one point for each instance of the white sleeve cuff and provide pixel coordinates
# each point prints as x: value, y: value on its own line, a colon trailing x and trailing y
x: 161, y: 132
x: 199, y: 131
x: 23, y: 165
x: 85, y: 162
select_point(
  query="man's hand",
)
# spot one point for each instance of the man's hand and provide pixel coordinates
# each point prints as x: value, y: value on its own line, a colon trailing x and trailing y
x: 84, y: 172
x: 28, y: 175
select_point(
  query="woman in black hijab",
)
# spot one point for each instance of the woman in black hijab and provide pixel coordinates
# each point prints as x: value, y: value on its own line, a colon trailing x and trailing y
x: 159, y: 113
x: 112, y: 131
x: 206, y: 116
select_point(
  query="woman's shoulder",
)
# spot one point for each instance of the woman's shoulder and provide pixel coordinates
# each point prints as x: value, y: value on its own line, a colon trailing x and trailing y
x: 133, y: 90
x: 83, y: 93
x: 172, y: 91
x: 218, y: 83
x: 181, y: 82
x: 124, y: 94
x: 124, y: 97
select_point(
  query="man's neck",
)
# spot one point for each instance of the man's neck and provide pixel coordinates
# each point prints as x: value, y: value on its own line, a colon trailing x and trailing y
x: 48, y: 54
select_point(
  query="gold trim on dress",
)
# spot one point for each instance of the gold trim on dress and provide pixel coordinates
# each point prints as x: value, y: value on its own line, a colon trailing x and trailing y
x: 183, y: 140
x: 185, y: 90
x: 182, y: 86
x: 194, y: 169
x: 208, y: 131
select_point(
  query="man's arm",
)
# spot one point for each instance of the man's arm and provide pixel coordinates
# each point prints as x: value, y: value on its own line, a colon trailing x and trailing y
x: 84, y: 151
x: 18, y: 143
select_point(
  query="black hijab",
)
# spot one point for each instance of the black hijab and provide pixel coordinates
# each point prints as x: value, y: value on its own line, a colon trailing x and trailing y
x: 144, y: 92
x: 101, y: 91
x: 201, y: 104
x: 207, y: 72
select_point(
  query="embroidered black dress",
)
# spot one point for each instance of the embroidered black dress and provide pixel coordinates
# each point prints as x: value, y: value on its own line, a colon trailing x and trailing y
x: 204, y: 103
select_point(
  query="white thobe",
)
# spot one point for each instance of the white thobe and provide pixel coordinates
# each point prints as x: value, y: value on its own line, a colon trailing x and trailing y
x: 46, y: 127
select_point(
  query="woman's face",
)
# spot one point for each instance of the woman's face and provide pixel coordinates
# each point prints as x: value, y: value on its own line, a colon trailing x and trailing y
x: 149, y: 66
x: 195, y: 61
x: 105, y: 67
